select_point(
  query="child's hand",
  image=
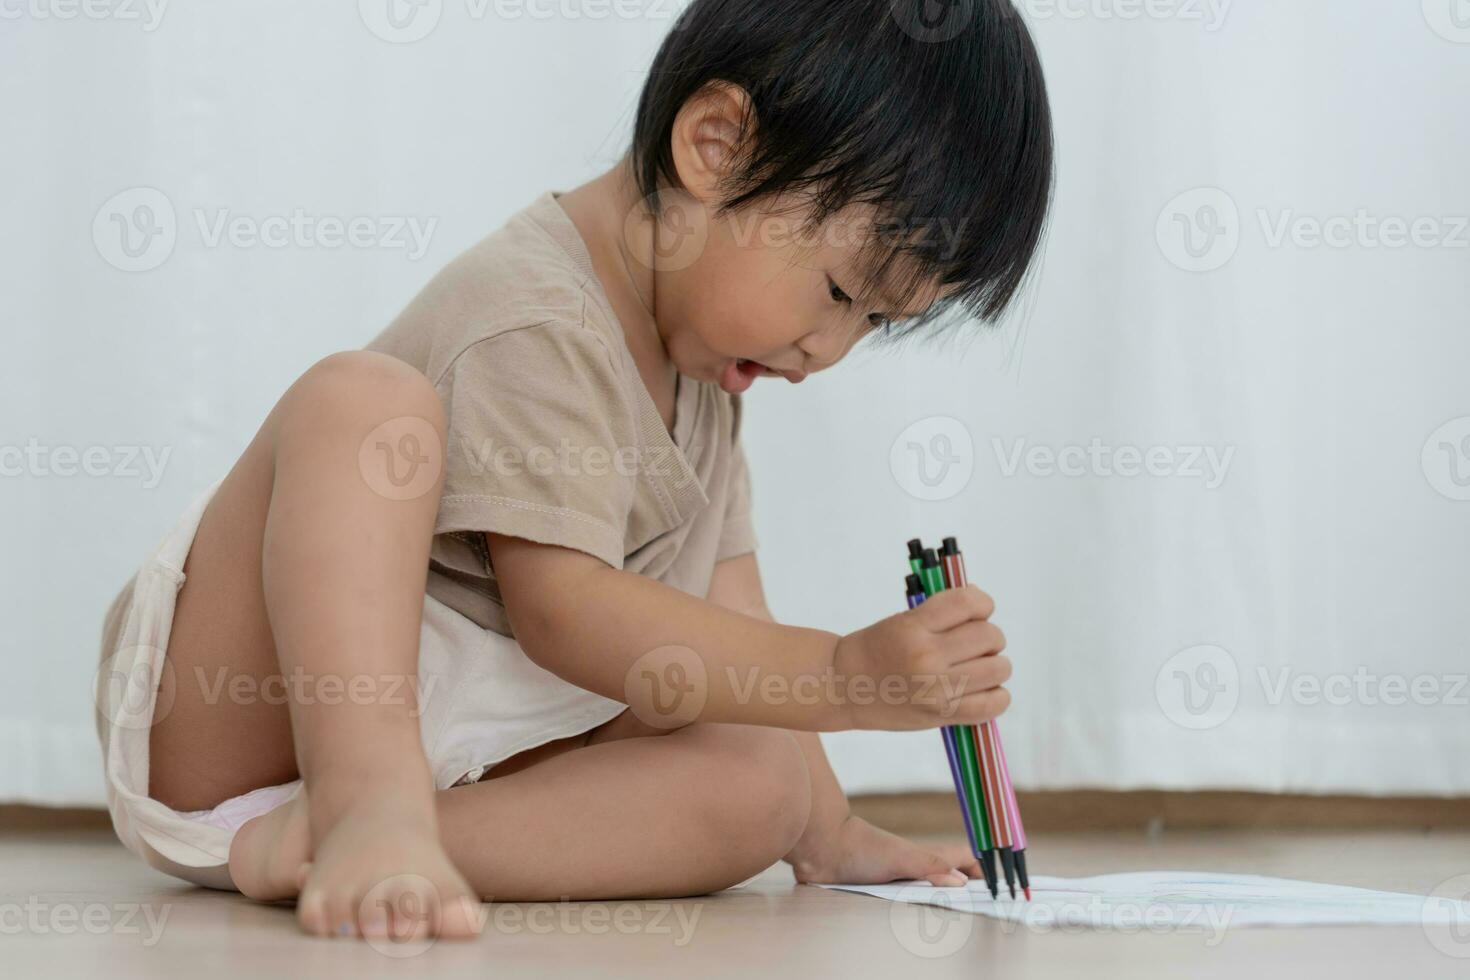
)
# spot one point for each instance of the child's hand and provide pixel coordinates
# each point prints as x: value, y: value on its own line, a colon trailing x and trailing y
x: 857, y: 853
x: 934, y: 665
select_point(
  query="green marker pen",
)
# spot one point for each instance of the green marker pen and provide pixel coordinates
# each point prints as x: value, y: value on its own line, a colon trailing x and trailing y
x: 930, y: 574
x: 916, y: 558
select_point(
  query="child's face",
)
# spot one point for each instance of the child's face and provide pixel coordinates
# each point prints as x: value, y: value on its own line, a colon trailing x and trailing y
x: 755, y: 293
x: 768, y: 297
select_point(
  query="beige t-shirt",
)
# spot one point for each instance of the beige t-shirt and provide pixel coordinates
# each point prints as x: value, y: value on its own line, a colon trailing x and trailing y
x: 553, y: 436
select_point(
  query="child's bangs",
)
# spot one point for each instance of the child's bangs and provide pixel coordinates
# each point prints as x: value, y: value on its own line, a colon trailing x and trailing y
x: 948, y: 143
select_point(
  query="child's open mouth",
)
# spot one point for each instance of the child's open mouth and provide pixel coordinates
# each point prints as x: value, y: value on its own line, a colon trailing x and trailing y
x: 740, y: 374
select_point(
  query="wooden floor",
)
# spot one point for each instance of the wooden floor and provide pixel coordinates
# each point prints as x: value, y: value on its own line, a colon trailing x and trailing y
x: 73, y: 903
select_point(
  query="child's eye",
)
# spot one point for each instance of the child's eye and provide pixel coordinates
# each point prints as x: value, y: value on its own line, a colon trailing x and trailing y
x: 838, y: 296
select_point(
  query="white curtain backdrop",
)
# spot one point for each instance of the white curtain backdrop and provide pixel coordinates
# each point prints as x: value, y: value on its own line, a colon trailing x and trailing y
x: 1218, y: 475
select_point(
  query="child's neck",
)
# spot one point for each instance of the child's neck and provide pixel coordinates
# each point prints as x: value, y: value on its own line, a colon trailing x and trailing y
x: 600, y: 209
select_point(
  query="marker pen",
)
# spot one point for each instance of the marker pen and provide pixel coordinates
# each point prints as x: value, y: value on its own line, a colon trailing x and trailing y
x: 959, y: 743
x: 1004, y: 817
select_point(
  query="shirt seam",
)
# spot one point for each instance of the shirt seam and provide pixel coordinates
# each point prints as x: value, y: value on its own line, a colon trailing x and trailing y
x: 552, y: 321
x: 512, y: 502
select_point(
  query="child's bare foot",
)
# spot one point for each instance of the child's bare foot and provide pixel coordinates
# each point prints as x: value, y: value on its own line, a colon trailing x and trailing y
x: 270, y: 853
x: 378, y: 872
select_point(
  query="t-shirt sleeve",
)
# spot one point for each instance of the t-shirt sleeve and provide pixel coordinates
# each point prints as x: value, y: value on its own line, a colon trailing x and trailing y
x: 540, y: 433
x: 737, y: 534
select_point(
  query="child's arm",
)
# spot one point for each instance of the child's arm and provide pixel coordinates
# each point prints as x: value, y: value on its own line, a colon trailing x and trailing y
x: 590, y: 625
x: 837, y: 847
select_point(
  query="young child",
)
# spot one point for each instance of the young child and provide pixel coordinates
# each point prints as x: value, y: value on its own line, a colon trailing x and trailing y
x: 477, y: 613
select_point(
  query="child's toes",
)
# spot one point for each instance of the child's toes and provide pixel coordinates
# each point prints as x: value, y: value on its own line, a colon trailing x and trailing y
x: 341, y: 912
x: 405, y: 906
x: 461, y: 917
x: 327, y: 908
x: 311, y: 912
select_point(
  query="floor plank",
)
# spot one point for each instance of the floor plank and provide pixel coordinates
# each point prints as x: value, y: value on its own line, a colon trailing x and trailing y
x: 73, y: 903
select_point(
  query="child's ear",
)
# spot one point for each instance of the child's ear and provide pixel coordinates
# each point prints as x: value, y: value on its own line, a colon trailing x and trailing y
x: 707, y: 137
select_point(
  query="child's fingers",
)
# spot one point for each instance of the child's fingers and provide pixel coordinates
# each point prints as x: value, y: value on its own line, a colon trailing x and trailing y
x: 976, y: 638
x: 976, y: 677
x: 977, y: 709
x: 940, y: 870
x: 956, y: 700
x: 958, y: 856
x: 952, y: 607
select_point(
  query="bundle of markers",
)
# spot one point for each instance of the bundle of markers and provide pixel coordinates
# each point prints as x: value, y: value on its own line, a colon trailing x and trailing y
x: 982, y: 781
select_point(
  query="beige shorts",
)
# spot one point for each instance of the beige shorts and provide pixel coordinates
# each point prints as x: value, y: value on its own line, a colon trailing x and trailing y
x: 480, y: 699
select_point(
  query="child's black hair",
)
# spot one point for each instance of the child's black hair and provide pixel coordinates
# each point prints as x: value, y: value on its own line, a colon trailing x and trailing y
x: 935, y: 111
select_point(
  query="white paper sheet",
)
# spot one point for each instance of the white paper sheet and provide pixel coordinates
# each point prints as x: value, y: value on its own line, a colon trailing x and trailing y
x: 1180, y: 901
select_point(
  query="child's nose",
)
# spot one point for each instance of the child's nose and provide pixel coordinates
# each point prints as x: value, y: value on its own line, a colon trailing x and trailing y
x: 824, y: 348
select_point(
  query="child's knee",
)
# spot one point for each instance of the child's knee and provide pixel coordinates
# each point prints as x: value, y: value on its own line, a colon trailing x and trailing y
x: 769, y: 788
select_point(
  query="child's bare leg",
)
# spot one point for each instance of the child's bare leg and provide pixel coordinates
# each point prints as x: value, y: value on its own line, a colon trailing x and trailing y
x: 310, y: 564
x: 687, y: 813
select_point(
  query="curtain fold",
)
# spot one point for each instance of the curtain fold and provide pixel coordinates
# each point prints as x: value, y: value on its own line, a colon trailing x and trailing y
x: 1215, y: 472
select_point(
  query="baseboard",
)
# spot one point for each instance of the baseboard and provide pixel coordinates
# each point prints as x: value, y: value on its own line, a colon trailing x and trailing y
x: 1071, y: 811
x: 1066, y: 811
x: 15, y: 818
